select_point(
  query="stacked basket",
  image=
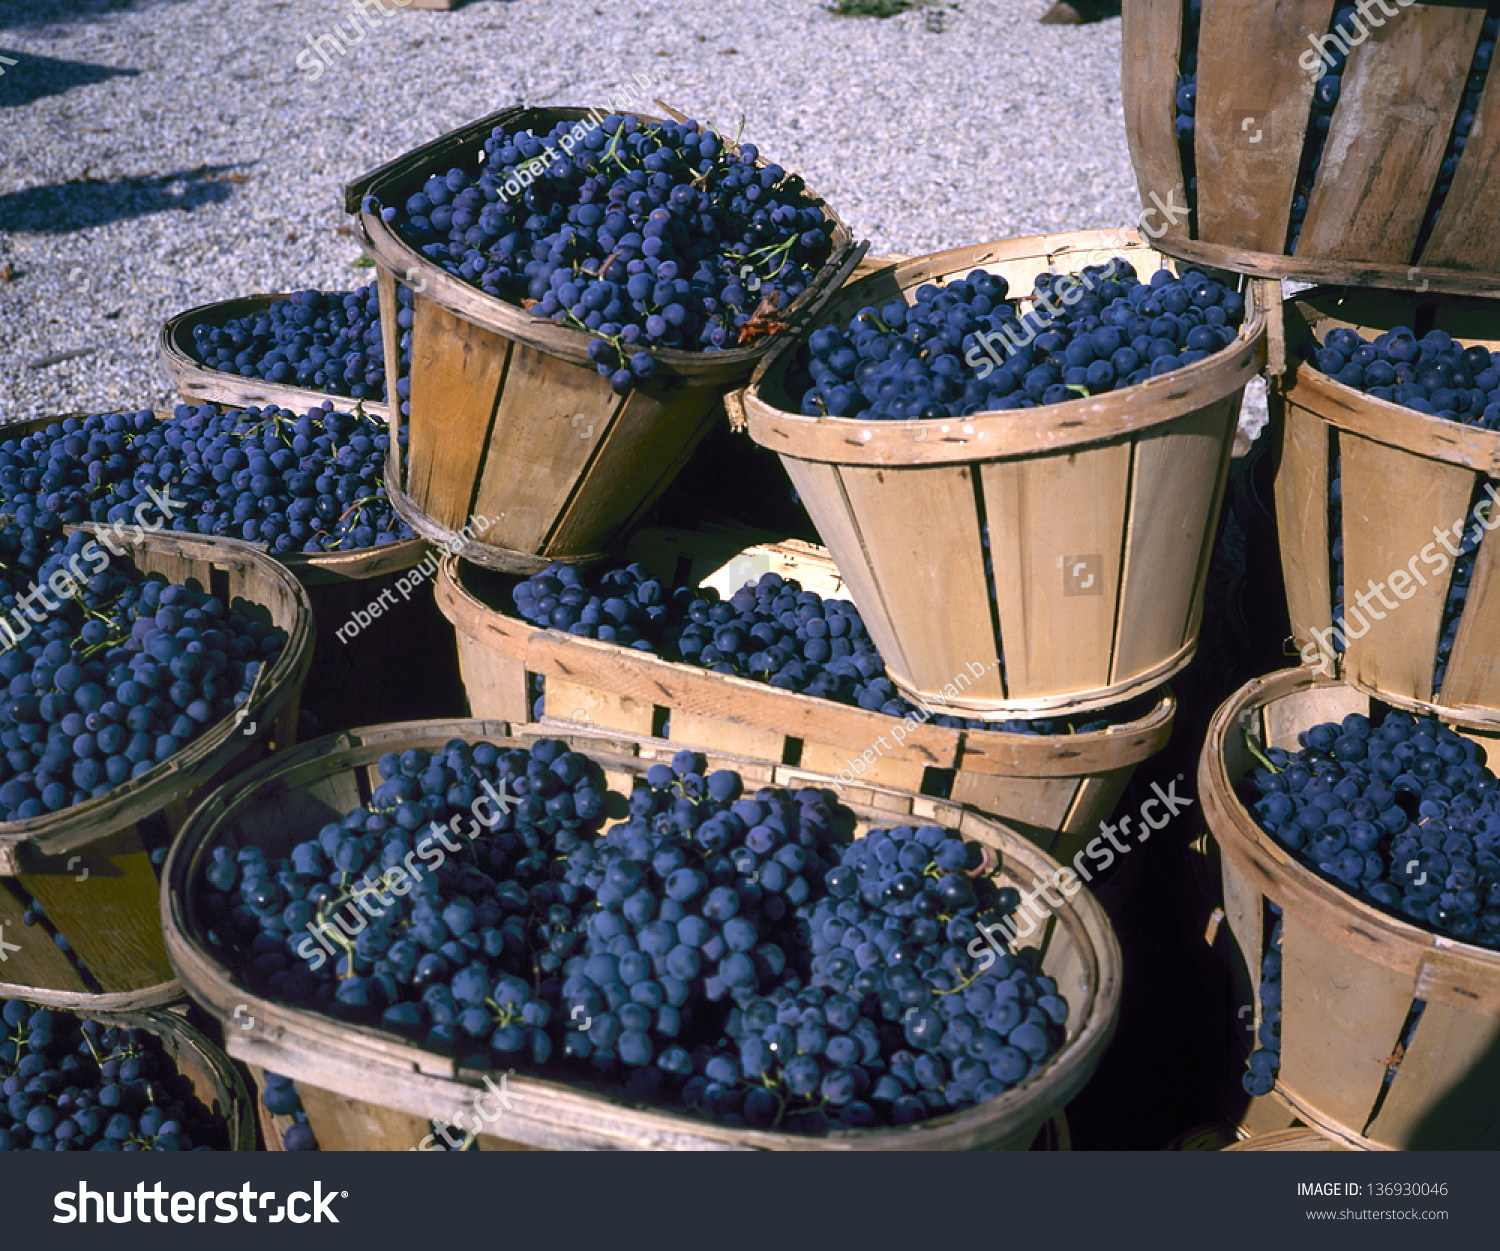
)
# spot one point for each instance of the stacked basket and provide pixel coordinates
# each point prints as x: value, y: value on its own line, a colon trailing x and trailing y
x: 1355, y: 151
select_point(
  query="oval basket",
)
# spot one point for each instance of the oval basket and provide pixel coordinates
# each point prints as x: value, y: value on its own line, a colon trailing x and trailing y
x: 364, y: 1088
x: 89, y: 866
x: 196, y: 381
x: 1100, y: 513
x: 1351, y: 973
x: 510, y: 420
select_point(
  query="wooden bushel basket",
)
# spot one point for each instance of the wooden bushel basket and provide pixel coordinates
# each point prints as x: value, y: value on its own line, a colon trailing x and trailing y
x: 1351, y: 972
x: 363, y: 1088
x: 88, y: 865
x: 510, y: 420
x: 1055, y: 789
x: 216, y: 1081
x: 1401, y: 90
x: 1100, y: 512
x: 1403, y: 474
x: 195, y: 381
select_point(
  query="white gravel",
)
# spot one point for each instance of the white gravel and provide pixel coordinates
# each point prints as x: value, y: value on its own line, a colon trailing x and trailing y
x: 182, y: 156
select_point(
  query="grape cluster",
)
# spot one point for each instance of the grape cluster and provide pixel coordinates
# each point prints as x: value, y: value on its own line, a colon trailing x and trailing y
x: 648, y: 235
x: 1435, y: 374
x: 1265, y: 1061
x: 736, y: 956
x: 1401, y: 814
x: 1463, y: 121
x: 281, y: 1099
x: 124, y: 676
x: 770, y: 630
x: 324, y: 341
x: 313, y: 483
x: 83, y: 1085
x: 932, y: 358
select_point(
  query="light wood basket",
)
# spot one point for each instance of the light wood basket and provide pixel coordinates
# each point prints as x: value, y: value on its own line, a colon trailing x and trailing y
x: 196, y: 381
x: 365, y: 1089
x: 1101, y: 513
x: 88, y: 865
x: 1401, y: 90
x: 1351, y: 972
x: 510, y: 420
x: 1403, y: 474
x: 1055, y: 789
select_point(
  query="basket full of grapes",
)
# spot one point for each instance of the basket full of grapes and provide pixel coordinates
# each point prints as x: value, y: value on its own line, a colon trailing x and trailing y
x: 574, y: 943
x: 287, y: 350
x: 139, y: 668
x: 1360, y: 847
x: 585, y: 290
x: 1388, y: 494
x: 1016, y: 453
x: 1348, y: 148
x: 116, y: 1081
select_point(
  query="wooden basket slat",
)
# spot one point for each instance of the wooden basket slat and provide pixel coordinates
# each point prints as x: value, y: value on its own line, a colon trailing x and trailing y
x: 527, y: 469
x: 1064, y: 505
x: 1396, y: 107
x: 1152, y: 30
x: 1467, y: 238
x: 1351, y: 972
x: 1473, y: 677
x: 840, y: 531
x: 39, y: 962
x: 1341, y: 1017
x: 918, y: 552
x: 1454, y: 1052
x: 651, y: 438
x: 1390, y: 501
x: 1302, y: 486
x: 112, y: 922
x: 1176, y: 486
x: 366, y: 1065
x: 456, y: 370
x: 1245, y: 188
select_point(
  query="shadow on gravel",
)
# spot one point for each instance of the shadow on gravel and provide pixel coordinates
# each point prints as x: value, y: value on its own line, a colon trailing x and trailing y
x: 59, y: 12
x: 63, y: 207
x: 28, y: 77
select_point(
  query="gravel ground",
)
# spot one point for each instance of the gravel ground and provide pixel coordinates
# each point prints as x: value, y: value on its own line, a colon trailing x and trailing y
x: 161, y: 154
